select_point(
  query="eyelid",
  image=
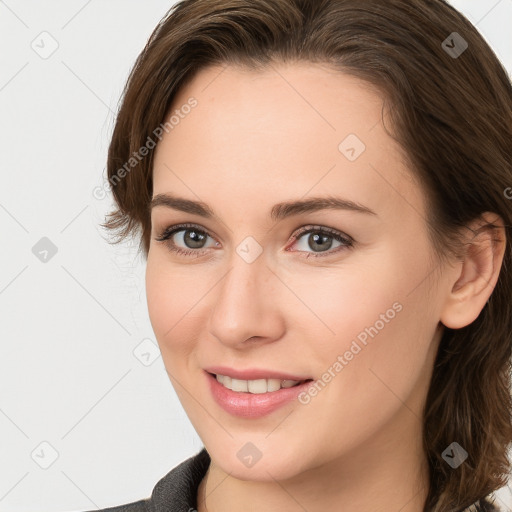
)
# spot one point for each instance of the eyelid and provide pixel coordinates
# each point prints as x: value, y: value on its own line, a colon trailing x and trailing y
x: 346, y: 240
x: 171, y: 230
x: 313, y: 228
x: 343, y: 238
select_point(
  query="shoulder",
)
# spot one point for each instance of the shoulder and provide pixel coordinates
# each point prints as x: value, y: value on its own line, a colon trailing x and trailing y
x: 175, y: 492
x: 136, y: 506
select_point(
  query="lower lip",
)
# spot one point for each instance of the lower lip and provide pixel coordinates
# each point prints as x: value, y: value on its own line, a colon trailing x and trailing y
x: 252, y: 405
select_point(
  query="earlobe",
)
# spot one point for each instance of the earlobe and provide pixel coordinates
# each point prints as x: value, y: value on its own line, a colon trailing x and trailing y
x: 478, y: 272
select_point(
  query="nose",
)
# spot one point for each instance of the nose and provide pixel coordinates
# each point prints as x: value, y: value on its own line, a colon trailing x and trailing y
x: 247, y: 305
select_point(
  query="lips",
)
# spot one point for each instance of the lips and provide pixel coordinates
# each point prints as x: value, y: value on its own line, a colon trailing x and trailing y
x: 251, y: 406
x: 254, y: 374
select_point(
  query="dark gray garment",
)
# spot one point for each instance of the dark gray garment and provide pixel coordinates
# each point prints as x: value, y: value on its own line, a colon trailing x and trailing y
x: 177, y: 491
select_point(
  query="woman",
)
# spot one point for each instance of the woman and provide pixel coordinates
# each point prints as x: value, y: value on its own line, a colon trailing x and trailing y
x: 322, y: 192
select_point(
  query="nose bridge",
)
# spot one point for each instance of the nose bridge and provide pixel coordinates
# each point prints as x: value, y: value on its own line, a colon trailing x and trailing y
x: 244, y: 305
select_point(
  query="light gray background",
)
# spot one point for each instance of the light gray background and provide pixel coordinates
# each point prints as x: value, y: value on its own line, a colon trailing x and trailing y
x: 73, y: 329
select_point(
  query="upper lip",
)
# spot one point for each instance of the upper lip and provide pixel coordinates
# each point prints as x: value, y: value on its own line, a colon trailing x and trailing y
x: 253, y: 373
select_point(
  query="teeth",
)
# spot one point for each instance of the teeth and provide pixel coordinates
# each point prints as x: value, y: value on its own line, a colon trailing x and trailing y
x: 288, y: 383
x: 255, y: 386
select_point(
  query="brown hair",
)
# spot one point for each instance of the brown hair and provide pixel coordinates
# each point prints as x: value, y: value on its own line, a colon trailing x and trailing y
x: 453, y: 117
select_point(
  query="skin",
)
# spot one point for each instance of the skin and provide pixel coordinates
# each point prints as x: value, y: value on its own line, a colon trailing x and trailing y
x: 257, y: 138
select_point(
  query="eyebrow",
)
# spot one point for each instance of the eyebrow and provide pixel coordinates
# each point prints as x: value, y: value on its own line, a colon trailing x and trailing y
x: 278, y: 212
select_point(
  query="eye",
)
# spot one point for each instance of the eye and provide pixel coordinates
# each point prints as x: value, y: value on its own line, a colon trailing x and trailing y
x: 190, y: 235
x: 320, y: 240
x: 193, y: 238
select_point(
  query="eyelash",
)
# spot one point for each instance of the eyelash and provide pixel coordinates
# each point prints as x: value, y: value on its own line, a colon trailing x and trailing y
x: 172, y: 230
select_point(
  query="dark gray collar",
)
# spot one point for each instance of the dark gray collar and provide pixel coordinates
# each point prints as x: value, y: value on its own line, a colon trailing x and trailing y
x: 177, y: 490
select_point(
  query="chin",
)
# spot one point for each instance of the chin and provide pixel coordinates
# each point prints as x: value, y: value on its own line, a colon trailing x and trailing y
x: 270, y: 460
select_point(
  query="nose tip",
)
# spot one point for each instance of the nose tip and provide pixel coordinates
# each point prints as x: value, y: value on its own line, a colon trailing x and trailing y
x: 245, y: 306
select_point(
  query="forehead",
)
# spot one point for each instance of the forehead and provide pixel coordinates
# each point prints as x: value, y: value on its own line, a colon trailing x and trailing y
x: 326, y: 101
x: 290, y: 128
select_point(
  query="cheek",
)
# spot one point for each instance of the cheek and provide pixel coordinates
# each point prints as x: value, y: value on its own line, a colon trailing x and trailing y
x: 159, y: 300
x: 388, y: 351
x: 336, y: 305
x: 171, y: 300
x: 374, y: 316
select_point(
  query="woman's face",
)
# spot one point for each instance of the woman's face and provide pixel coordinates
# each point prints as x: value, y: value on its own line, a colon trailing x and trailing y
x: 256, y: 294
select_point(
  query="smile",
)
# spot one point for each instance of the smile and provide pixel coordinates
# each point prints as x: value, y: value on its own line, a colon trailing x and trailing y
x: 257, y: 386
x: 254, y: 398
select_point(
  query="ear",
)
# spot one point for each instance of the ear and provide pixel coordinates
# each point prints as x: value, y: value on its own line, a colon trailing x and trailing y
x: 477, y: 274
